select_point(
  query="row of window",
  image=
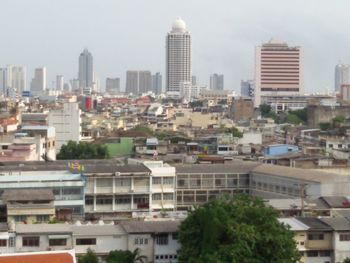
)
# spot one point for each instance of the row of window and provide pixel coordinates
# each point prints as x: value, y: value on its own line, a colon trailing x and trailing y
x: 160, y: 257
x: 316, y: 253
x: 34, y: 241
x: 39, y: 218
x: 118, y: 200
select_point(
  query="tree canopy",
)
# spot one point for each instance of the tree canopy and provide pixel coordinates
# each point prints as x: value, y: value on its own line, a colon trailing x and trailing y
x: 125, y: 256
x: 238, y: 230
x: 89, y: 257
x: 82, y: 150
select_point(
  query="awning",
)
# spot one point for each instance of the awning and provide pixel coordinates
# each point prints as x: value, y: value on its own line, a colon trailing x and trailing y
x: 58, y: 236
x: 4, y: 236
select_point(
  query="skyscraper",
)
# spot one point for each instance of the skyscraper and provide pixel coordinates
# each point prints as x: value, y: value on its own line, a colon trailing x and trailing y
x: 178, y: 57
x: 138, y: 82
x: 216, y: 81
x: 278, y: 70
x: 157, y: 83
x: 59, y: 82
x: 38, y: 83
x: 113, y: 86
x: 86, y: 72
x: 18, y: 78
x: 341, y: 76
x: 3, y: 81
x: 247, y: 88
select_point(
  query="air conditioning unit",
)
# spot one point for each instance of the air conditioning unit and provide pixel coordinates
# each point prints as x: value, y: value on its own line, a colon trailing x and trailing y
x: 117, y: 174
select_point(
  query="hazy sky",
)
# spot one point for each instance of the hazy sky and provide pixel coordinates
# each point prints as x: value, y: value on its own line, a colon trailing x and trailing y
x: 130, y: 34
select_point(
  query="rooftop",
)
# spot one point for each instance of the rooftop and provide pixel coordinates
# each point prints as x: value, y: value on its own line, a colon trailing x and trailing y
x: 314, y: 223
x: 27, y: 194
x: 67, y: 256
x: 134, y: 227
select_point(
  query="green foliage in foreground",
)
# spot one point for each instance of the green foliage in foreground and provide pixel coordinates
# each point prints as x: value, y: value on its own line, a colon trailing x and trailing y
x: 125, y: 256
x: 89, y: 257
x: 82, y: 150
x: 236, y: 230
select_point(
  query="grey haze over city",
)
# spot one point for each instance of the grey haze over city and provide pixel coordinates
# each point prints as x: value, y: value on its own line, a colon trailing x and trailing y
x: 130, y: 35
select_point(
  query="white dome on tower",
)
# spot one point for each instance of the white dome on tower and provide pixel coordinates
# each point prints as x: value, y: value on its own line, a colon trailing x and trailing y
x: 179, y: 25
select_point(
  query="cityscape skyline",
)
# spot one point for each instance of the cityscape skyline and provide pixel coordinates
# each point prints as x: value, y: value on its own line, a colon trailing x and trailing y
x: 229, y: 49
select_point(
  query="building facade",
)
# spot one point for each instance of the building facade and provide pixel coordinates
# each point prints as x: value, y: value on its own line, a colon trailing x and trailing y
x: 38, y: 83
x: 113, y: 86
x: 178, y: 57
x: 278, y: 70
x: 138, y: 82
x: 86, y: 72
x: 217, y: 81
x: 157, y: 83
x: 341, y: 76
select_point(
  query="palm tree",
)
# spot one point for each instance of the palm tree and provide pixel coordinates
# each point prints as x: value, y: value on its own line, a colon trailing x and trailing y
x: 136, y: 258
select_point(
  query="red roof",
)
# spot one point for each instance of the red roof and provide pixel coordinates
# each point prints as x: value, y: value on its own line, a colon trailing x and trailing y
x: 45, y: 257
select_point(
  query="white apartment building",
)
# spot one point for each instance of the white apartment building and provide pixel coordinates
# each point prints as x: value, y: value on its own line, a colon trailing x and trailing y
x: 67, y: 123
x: 278, y: 70
x: 13, y: 79
x: 59, y: 82
x: 190, y: 92
x: 178, y: 57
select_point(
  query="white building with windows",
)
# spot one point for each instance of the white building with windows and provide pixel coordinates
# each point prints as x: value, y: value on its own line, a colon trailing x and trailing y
x: 67, y: 123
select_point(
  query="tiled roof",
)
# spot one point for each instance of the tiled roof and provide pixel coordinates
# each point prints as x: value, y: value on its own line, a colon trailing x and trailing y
x: 27, y: 194
x: 40, y: 257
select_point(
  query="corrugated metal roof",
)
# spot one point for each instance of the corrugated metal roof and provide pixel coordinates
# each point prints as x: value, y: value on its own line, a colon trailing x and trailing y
x: 150, y: 226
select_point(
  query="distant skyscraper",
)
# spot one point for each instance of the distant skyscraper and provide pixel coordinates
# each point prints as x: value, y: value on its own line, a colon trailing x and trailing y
x: 194, y: 80
x: 59, y: 82
x: 341, y: 76
x: 157, y: 83
x: 217, y: 81
x: 247, y: 88
x: 74, y: 83
x: 138, y: 82
x: 38, y: 83
x: 113, y: 86
x: 86, y: 76
x: 18, y: 78
x: 3, y: 81
x: 278, y: 70
x: 178, y: 57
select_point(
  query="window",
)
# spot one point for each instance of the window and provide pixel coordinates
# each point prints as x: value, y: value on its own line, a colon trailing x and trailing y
x: 141, y: 241
x: 122, y: 182
x: 12, y: 242
x: 30, y: 241
x: 57, y: 242
x: 123, y: 199
x: 162, y: 239
x: 85, y: 241
x: 156, y: 197
x: 311, y: 254
x: 3, y: 242
x: 157, y: 180
x: 325, y: 253
x: 168, y: 180
x: 168, y: 196
x: 315, y: 236
x: 71, y: 191
x: 104, y: 182
x: 104, y: 200
x: 344, y: 237
x: 141, y: 199
x: 181, y: 183
x: 20, y: 218
x: 56, y: 191
x: 89, y: 200
x: 42, y: 218
x: 330, y: 145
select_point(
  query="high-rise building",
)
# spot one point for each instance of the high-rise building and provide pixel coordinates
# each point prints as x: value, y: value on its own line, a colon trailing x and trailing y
x: 113, y: 86
x: 18, y: 78
x: 341, y: 76
x: 217, y: 81
x: 157, y: 83
x: 38, y: 83
x: 138, y: 82
x: 178, y: 57
x: 86, y: 75
x: 194, y: 80
x: 247, y: 88
x: 278, y: 70
x: 3, y: 81
x: 59, y: 82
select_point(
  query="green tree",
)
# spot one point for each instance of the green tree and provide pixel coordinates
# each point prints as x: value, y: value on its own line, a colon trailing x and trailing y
x: 89, y: 257
x: 236, y: 230
x: 325, y: 126
x: 196, y: 104
x: 293, y: 119
x: 347, y: 260
x: 265, y: 109
x: 301, y: 114
x: 338, y: 120
x: 125, y: 256
x: 82, y: 150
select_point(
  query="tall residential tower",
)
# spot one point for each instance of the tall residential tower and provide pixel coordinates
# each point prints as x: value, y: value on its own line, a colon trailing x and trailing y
x: 217, y: 81
x: 178, y: 57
